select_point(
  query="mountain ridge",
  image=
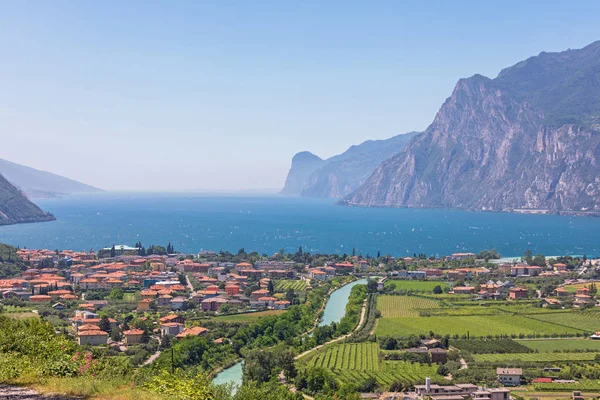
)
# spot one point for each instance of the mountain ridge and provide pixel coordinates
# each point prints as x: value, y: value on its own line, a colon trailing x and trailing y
x: 339, y: 175
x: 504, y: 145
x: 41, y: 184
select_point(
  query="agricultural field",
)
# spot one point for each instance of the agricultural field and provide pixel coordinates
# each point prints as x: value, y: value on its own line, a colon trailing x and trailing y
x: 246, y: 317
x: 424, y: 286
x: 403, y: 306
x: 534, y: 357
x: 583, y: 321
x: 358, y: 356
x: 285, y: 285
x: 355, y: 362
x: 490, y: 346
x: 550, y: 346
x: 476, y: 325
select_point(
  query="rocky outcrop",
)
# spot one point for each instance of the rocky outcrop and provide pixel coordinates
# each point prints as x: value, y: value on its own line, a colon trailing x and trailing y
x: 339, y: 175
x: 303, y: 164
x: 497, y: 144
x: 16, y: 208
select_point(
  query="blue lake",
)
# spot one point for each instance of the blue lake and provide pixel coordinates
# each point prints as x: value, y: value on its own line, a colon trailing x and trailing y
x: 194, y: 222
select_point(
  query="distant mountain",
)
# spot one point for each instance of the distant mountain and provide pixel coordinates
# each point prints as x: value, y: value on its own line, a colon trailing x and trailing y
x: 16, y: 208
x: 40, y: 183
x: 526, y: 141
x: 310, y: 176
x: 303, y: 165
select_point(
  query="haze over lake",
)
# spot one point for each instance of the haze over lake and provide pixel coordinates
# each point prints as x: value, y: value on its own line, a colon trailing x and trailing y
x: 194, y: 222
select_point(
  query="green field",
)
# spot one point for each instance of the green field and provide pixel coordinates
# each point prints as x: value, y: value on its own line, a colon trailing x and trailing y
x: 403, y: 306
x: 285, y: 285
x: 535, y: 357
x: 355, y: 362
x: 425, y: 286
x: 478, y: 325
x: 552, y: 345
x: 585, y: 321
x: 573, y: 288
x: 247, y: 317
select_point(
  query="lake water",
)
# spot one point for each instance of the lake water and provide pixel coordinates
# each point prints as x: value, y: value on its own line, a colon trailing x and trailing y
x: 335, y: 309
x: 194, y: 222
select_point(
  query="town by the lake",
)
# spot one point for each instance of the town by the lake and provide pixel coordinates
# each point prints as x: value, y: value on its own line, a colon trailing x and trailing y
x: 337, y: 326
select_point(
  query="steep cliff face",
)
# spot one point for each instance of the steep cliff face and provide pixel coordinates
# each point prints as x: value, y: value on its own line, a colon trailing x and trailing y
x: 339, y: 175
x: 15, y: 208
x: 303, y: 164
x: 496, y: 146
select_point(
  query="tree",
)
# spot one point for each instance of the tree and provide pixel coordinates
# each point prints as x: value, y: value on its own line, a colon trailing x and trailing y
x: 270, y: 287
x: 378, y: 254
x: 372, y: 286
x: 527, y: 257
x: 115, y: 335
x: 437, y: 289
x: 104, y: 324
x: 300, y: 250
x: 258, y: 366
x: 113, y: 251
x: 116, y: 294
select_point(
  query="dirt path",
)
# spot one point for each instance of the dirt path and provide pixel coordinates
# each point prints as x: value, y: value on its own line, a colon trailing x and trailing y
x: 21, y: 393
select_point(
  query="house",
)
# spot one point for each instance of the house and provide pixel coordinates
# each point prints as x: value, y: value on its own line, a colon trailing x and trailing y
x: 560, y: 267
x: 317, y: 274
x: 509, y: 376
x: 133, y: 336
x: 463, y: 290
x: 164, y: 300
x: 195, y: 331
x: 40, y: 298
x: 561, y: 292
x: 144, y: 304
x: 178, y: 303
x: 267, y: 301
x: 259, y: 293
x: 517, y: 293
x: 549, y: 302
x: 92, y: 338
x: 59, y: 306
x: 281, y: 304
x: 492, y: 394
x: 438, y: 355
x: 212, y: 304
x: 232, y: 290
x: 171, y: 328
x: 172, y: 318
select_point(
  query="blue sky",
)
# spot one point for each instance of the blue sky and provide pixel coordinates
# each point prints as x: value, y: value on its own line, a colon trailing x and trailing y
x: 220, y: 95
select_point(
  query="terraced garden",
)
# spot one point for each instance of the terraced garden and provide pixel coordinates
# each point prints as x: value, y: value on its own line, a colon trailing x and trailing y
x: 287, y: 284
x: 355, y: 362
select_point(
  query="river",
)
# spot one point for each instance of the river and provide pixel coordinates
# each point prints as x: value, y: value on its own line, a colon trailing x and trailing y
x: 335, y: 309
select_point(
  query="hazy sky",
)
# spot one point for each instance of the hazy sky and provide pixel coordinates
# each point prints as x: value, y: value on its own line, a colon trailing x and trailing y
x: 177, y: 95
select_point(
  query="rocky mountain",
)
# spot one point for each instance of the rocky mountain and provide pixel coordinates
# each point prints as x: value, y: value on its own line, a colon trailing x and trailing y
x: 16, y: 208
x: 335, y: 177
x: 41, y: 183
x: 525, y: 141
